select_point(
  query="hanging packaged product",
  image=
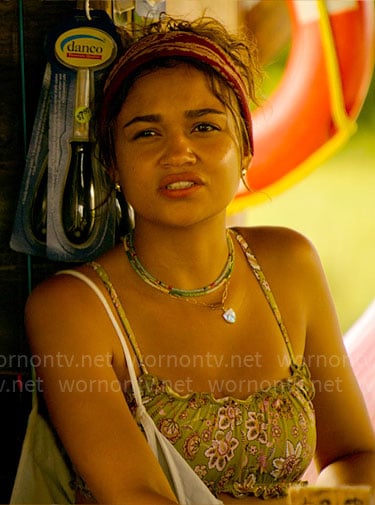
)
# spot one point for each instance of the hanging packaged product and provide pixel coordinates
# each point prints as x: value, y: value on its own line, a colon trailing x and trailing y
x: 71, y: 207
x: 81, y: 205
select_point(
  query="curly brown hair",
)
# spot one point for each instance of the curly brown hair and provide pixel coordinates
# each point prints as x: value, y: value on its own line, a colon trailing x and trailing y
x: 241, y: 47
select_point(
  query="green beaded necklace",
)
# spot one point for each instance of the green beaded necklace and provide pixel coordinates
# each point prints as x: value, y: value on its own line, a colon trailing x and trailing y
x: 187, y: 295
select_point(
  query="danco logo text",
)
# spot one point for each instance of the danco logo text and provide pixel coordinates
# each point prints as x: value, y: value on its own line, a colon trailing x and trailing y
x: 86, y: 47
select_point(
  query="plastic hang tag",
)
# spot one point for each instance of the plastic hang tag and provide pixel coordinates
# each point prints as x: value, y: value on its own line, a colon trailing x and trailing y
x: 29, y: 234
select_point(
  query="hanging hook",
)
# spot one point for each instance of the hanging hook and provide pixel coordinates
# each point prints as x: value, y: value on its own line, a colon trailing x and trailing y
x: 87, y: 10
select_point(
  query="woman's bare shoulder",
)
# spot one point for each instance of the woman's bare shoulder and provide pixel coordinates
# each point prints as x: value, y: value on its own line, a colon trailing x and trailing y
x: 61, y: 289
x: 66, y: 290
x: 63, y: 312
x: 280, y: 244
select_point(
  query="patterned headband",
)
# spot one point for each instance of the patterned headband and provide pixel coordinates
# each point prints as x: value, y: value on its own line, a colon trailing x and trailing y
x: 178, y: 44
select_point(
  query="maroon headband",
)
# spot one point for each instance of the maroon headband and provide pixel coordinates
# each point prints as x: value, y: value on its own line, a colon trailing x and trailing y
x: 180, y: 44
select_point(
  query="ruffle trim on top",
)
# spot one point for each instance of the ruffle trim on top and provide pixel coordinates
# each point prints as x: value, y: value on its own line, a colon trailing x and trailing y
x: 264, y: 491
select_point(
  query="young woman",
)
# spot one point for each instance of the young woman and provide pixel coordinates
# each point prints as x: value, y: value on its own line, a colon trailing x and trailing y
x: 230, y: 334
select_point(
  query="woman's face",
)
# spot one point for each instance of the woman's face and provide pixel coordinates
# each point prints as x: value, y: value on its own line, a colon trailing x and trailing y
x: 178, y: 158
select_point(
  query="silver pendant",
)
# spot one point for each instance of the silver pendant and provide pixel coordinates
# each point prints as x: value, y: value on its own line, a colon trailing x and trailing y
x: 230, y: 316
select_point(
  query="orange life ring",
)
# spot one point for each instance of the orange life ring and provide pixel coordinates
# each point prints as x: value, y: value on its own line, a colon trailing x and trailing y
x: 313, y: 110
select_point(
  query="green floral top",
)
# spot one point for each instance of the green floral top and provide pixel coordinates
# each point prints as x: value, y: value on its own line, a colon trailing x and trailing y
x: 257, y: 446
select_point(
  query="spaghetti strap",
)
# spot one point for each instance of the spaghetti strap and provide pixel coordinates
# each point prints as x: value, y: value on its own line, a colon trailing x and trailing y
x: 119, y: 332
x: 259, y: 275
x: 120, y: 311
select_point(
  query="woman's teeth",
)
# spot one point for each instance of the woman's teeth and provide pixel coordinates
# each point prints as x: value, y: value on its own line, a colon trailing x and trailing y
x: 180, y: 185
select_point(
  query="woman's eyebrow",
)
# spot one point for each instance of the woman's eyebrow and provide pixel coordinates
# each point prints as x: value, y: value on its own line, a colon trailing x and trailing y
x: 203, y: 112
x: 148, y: 118
x: 156, y: 118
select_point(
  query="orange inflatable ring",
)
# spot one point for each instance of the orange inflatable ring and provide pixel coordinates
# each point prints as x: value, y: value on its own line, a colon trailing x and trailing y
x: 314, y: 108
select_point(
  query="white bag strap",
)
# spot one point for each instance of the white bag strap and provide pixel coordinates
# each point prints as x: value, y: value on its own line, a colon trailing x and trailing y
x: 129, y: 361
x: 141, y: 413
x: 188, y: 487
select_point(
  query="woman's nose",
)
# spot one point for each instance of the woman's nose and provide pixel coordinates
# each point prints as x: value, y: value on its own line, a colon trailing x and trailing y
x: 178, y: 151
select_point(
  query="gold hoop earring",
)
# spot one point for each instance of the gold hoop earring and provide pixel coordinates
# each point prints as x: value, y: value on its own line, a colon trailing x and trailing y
x: 243, y: 179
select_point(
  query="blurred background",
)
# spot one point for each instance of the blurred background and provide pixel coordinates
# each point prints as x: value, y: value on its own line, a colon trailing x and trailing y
x: 334, y: 206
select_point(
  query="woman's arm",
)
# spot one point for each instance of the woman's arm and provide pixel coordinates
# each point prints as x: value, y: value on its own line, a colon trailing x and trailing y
x: 70, y: 332
x: 346, y: 444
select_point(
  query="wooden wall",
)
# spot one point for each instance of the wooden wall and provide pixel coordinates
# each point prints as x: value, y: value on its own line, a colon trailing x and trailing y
x: 38, y: 17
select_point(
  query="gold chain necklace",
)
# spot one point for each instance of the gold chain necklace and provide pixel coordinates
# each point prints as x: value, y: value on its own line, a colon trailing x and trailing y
x: 229, y: 315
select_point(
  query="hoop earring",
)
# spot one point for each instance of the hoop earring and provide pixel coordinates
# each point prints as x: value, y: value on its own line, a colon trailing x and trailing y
x: 243, y: 179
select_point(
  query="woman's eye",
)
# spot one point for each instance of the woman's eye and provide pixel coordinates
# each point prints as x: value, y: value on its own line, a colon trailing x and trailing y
x: 144, y: 134
x: 206, y: 127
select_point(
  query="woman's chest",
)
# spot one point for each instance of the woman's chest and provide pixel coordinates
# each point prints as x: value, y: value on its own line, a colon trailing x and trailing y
x: 197, y: 350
